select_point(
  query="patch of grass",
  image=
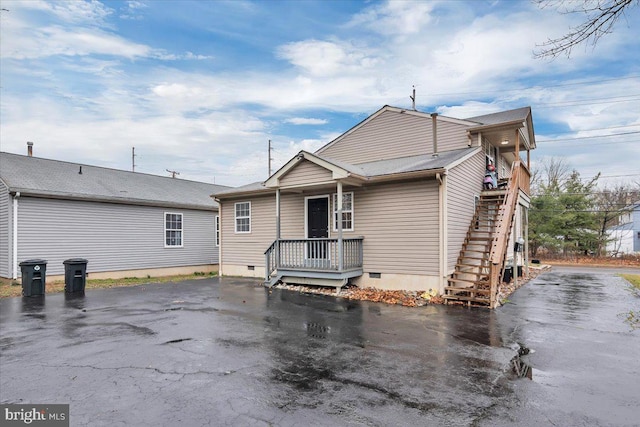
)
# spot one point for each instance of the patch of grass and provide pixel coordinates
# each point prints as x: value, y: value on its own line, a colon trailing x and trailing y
x: 8, y: 289
x: 633, y: 319
x: 634, y: 279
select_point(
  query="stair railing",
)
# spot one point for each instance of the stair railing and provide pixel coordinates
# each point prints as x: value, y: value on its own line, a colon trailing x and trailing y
x: 504, y: 221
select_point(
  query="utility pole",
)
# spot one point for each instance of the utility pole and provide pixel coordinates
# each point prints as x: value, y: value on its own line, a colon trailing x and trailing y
x: 173, y: 173
x: 133, y: 159
x: 270, y: 158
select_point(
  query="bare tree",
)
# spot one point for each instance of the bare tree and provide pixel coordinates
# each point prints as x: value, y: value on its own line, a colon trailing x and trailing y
x: 553, y: 173
x: 600, y: 18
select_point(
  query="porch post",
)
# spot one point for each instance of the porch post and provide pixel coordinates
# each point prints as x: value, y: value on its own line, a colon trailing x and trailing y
x: 526, y: 240
x: 277, y: 228
x: 277, y: 213
x: 517, y: 144
x: 339, y: 220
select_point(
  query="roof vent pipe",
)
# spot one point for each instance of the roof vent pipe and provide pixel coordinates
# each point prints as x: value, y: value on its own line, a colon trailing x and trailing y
x: 80, y: 171
x: 30, y: 148
x: 434, y: 129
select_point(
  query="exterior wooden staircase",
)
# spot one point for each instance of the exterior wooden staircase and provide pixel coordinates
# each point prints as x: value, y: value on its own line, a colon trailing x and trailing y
x: 481, y: 262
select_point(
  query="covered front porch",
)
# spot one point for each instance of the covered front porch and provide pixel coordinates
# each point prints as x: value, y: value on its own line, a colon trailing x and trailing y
x: 324, y: 256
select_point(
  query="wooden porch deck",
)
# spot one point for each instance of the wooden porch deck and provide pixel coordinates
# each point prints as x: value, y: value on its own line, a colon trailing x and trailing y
x: 321, y: 261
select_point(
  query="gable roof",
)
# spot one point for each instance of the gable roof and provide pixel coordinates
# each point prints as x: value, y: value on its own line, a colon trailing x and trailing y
x: 519, y: 114
x: 57, y: 179
x: 520, y: 117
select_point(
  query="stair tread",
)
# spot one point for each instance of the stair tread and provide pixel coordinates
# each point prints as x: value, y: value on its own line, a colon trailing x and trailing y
x: 463, y: 298
x: 477, y: 291
x: 472, y: 273
x: 470, y: 282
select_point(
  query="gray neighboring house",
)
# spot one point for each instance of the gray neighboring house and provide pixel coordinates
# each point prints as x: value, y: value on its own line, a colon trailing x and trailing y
x: 124, y: 223
x: 624, y: 238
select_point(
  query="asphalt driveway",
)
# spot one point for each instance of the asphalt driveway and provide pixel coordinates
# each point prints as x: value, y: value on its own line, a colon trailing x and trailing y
x: 229, y: 352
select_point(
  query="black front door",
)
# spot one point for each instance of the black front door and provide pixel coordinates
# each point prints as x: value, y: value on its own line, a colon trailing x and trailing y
x: 317, y: 226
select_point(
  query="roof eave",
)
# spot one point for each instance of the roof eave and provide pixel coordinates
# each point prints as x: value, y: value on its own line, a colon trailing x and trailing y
x: 115, y: 200
x: 236, y: 194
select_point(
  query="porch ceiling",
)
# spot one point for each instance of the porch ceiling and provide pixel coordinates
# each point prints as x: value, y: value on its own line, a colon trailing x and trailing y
x: 505, y: 138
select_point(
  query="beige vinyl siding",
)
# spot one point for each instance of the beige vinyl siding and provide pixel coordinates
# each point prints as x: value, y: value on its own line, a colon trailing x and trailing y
x: 5, y: 235
x: 111, y: 236
x: 292, y: 215
x: 451, y: 136
x: 392, y: 135
x: 464, y: 181
x: 399, y: 223
x: 248, y: 248
x: 305, y: 173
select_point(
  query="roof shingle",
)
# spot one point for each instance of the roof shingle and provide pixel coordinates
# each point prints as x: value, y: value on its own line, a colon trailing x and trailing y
x: 45, y: 177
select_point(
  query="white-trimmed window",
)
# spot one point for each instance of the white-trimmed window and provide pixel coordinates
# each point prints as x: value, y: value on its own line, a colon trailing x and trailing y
x: 217, y: 230
x: 172, y: 230
x: 347, y: 211
x: 243, y: 217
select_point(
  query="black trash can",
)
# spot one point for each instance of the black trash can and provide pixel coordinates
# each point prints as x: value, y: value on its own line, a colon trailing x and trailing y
x: 34, y: 277
x: 508, y: 274
x: 75, y: 275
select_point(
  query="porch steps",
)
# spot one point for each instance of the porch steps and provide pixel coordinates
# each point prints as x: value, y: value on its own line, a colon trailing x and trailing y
x: 470, y: 281
x: 307, y: 281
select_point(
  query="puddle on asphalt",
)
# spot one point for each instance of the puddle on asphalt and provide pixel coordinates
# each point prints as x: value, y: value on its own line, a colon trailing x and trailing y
x: 521, y: 368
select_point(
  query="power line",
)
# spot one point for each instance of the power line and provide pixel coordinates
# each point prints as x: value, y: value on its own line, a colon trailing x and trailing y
x: 538, y: 86
x: 590, y: 130
x: 590, y: 137
x: 574, y: 103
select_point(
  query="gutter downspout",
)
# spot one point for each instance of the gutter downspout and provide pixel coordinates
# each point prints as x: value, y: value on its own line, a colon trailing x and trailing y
x: 442, y: 230
x: 220, y: 267
x: 15, y: 235
x: 339, y: 224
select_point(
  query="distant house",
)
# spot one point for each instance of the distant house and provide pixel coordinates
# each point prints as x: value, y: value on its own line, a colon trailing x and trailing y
x: 124, y: 223
x: 624, y: 238
x: 396, y: 202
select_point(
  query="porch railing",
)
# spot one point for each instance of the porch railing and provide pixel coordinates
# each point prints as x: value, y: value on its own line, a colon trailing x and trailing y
x: 313, y: 255
x: 524, y: 178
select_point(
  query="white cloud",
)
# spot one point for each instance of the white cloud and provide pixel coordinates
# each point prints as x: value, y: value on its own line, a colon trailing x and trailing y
x: 460, y: 67
x: 326, y: 58
x: 132, y: 10
x: 77, y: 11
x: 306, y: 121
x: 395, y: 17
x: 88, y: 35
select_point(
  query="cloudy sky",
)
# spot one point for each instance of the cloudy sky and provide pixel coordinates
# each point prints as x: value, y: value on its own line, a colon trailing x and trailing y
x: 200, y: 87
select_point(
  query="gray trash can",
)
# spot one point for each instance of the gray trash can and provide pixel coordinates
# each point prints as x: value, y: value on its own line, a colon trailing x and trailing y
x: 34, y: 277
x: 75, y: 275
